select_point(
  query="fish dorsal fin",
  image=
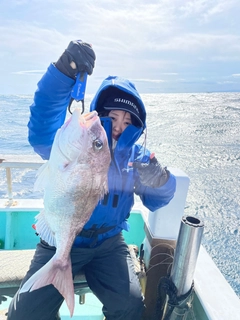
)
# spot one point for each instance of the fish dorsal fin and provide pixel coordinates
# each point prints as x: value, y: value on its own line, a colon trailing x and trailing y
x: 42, y: 177
x: 43, y: 229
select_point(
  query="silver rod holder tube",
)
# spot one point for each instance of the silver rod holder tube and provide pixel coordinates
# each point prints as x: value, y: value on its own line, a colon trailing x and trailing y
x: 186, y: 253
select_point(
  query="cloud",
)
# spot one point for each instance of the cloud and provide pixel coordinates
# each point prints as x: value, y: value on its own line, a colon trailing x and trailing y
x: 225, y: 82
x: 152, y: 41
x: 149, y: 80
x: 29, y: 72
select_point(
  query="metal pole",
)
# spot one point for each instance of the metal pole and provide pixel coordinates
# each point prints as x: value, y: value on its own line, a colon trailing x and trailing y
x: 186, y: 253
x: 184, y: 263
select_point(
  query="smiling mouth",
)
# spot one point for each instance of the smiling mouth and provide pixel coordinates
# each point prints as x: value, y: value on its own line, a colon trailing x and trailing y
x: 115, y: 137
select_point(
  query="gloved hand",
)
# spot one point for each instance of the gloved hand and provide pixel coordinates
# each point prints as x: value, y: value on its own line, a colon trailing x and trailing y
x: 151, y: 174
x: 77, y: 58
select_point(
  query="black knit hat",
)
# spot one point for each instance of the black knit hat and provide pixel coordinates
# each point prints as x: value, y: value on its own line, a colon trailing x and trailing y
x: 125, y: 102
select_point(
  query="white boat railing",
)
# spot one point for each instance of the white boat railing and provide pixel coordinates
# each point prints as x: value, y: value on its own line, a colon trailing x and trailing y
x: 9, y: 162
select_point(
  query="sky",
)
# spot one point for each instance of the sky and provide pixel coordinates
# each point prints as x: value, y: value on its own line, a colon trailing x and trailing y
x: 164, y: 46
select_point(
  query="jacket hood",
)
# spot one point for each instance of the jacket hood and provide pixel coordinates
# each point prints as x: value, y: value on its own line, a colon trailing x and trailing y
x: 119, y: 88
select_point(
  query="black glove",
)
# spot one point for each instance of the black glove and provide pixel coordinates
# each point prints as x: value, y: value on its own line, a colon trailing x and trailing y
x: 152, y: 174
x: 77, y: 58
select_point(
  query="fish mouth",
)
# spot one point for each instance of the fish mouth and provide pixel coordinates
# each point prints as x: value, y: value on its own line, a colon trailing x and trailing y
x: 89, y: 119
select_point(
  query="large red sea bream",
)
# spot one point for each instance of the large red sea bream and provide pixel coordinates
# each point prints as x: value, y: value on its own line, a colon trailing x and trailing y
x: 74, y: 179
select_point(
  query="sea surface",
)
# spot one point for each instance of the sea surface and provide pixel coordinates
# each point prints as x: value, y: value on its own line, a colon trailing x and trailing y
x: 198, y: 133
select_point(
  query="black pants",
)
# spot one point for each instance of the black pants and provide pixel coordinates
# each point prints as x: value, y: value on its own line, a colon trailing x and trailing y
x: 110, y: 275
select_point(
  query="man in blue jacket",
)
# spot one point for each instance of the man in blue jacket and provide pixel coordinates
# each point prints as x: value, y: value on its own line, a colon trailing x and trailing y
x: 100, y: 248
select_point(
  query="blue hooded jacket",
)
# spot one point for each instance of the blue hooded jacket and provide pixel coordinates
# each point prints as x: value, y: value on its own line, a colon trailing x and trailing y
x: 47, y: 114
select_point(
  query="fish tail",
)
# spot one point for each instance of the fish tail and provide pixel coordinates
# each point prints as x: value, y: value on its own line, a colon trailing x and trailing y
x: 56, y: 274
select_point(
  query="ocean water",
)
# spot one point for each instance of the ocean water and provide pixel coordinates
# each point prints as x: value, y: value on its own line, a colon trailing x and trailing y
x: 198, y: 133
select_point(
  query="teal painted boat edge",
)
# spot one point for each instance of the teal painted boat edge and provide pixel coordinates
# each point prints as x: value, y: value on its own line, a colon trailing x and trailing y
x: 16, y: 221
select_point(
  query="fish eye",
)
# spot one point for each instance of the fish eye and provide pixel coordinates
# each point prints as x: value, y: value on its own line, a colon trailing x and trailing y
x: 97, y: 144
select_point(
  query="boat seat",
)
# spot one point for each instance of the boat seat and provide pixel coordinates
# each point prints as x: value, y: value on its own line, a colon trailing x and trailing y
x: 14, y: 265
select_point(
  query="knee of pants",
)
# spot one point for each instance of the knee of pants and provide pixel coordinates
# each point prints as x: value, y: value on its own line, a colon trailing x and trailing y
x: 36, y: 305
